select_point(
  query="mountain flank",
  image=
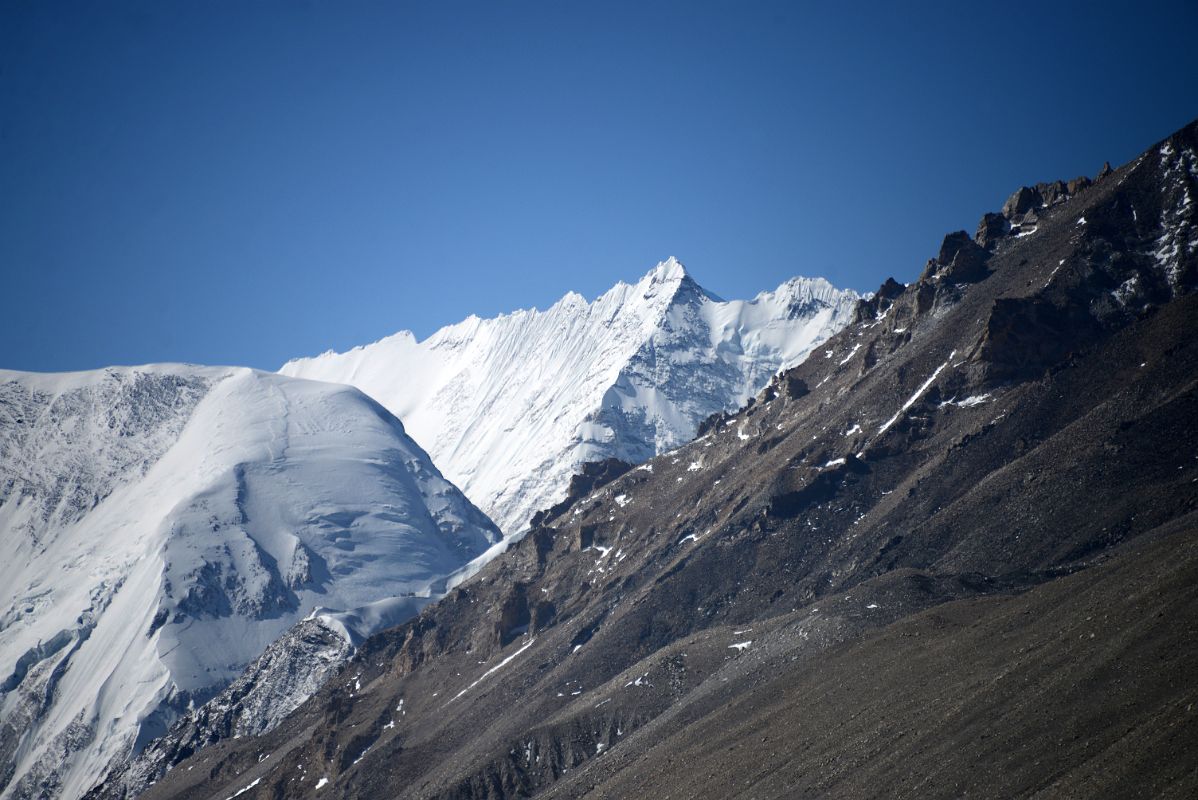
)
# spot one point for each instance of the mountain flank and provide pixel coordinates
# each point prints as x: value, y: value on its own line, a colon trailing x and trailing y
x: 950, y: 553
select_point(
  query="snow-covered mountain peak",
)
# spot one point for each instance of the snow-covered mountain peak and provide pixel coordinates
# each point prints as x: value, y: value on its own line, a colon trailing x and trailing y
x: 510, y: 407
x: 570, y: 299
x: 670, y: 279
x: 798, y: 294
x: 161, y: 525
x: 668, y: 271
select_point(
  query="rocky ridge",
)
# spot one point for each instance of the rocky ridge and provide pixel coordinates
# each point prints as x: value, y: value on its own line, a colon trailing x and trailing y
x: 982, y: 488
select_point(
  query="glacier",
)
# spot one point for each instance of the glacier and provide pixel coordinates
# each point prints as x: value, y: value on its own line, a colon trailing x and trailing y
x: 510, y: 407
x: 161, y: 526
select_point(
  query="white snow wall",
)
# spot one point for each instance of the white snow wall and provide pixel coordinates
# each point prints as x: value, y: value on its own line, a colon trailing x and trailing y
x: 510, y: 407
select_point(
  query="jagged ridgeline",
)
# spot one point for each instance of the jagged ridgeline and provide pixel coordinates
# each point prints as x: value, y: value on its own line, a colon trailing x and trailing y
x: 952, y: 553
x: 511, y: 407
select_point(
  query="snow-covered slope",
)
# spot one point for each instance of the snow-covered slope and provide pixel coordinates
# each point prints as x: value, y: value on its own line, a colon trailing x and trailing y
x: 160, y: 526
x: 509, y: 407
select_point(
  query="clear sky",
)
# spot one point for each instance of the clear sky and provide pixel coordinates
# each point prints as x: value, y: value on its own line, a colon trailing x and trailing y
x: 244, y: 182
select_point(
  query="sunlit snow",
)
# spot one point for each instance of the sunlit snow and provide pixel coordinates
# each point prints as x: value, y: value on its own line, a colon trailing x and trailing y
x: 493, y: 669
x: 510, y: 407
x: 918, y: 393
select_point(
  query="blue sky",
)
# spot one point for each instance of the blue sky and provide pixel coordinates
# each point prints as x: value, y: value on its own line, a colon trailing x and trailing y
x: 231, y: 182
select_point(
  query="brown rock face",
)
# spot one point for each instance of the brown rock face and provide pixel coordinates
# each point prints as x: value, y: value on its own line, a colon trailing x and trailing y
x: 1077, y: 184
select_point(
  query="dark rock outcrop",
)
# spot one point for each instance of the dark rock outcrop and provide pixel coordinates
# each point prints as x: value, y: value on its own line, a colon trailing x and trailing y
x: 592, y: 476
x: 1021, y: 201
x: 1077, y: 184
x: 961, y: 260
x: 991, y: 228
x: 868, y: 310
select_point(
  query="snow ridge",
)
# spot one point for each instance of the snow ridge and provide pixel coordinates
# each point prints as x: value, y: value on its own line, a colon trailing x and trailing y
x: 160, y: 526
x: 510, y: 407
